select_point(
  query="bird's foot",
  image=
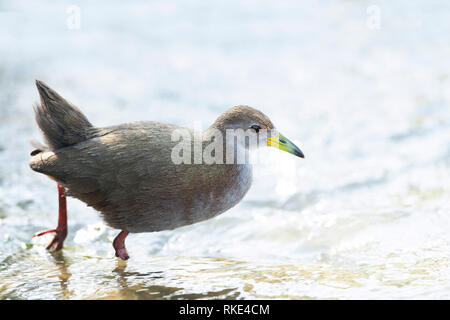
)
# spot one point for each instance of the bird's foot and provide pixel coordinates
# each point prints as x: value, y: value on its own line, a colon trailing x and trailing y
x: 58, y: 240
x: 122, y: 254
x: 61, y: 230
x: 119, y: 246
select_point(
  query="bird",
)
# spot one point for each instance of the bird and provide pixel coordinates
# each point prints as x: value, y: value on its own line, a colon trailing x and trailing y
x: 130, y: 172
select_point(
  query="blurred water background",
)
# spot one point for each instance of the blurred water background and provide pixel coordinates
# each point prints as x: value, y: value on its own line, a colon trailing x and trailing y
x: 362, y: 87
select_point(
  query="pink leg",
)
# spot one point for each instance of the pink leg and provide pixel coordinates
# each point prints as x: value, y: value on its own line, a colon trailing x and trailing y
x: 119, y: 245
x: 61, y: 230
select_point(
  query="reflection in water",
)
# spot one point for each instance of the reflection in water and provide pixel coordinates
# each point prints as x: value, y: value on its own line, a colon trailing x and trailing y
x: 62, y: 264
x: 128, y: 289
x: 136, y: 285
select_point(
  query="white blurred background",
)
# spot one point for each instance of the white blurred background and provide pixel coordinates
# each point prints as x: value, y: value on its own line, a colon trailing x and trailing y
x: 362, y: 87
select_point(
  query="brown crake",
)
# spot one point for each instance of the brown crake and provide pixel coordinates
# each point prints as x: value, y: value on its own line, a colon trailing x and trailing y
x: 126, y: 171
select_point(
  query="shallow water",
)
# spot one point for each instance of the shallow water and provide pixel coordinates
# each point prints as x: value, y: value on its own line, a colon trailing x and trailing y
x: 365, y: 215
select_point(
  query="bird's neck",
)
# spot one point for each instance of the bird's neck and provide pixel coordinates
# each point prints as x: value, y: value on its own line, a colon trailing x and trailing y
x: 222, y: 146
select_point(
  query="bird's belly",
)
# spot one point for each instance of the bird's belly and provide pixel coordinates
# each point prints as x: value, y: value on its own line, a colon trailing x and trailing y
x: 202, y: 208
x: 181, y: 211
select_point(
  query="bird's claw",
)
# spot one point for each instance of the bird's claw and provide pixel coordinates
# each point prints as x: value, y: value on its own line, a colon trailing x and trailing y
x: 58, y: 240
x: 122, y: 254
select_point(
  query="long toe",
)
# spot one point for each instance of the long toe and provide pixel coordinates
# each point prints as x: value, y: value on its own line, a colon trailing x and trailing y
x: 38, y: 234
x: 58, y: 240
x: 55, y: 245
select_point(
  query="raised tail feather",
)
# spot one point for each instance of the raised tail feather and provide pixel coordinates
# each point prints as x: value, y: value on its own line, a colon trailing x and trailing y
x: 61, y: 122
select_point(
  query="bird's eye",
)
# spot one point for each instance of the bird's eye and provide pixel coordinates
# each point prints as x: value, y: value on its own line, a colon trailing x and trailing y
x: 255, y: 127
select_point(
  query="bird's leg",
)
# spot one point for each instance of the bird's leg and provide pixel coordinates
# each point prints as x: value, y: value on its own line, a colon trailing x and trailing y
x: 61, y: 230
x: 119, y: 245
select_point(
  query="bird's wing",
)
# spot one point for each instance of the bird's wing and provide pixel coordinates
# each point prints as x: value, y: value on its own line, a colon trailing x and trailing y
x: 113, y: 161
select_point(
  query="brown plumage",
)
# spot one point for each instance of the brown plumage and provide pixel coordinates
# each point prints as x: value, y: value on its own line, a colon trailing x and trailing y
x: 126, y: 171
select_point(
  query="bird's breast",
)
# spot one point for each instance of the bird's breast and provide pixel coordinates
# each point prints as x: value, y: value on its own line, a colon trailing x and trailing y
x: 224, y: 191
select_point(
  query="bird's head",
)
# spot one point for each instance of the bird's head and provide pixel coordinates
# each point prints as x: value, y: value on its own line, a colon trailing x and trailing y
x: 253, y: 122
